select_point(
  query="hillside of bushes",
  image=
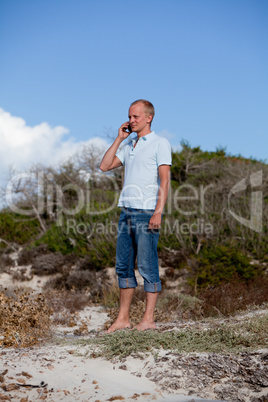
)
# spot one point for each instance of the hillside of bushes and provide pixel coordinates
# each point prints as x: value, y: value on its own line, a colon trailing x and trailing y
x: 214, y: 229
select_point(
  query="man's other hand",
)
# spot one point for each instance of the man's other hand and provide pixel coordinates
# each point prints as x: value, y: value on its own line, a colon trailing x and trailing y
x: 155, y: 221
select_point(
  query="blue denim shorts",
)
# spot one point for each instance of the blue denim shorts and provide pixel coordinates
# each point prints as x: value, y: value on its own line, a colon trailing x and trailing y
x: 136, y: 241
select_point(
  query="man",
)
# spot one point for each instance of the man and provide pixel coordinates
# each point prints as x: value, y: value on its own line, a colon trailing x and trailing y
x: 147, y: 160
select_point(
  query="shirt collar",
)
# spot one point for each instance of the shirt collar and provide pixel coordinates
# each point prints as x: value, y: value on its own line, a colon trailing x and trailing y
x: 145, y: 137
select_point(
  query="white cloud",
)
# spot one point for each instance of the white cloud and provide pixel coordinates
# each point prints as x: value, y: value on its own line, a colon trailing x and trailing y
x: 170, y: 137
x: 21, y: 145
x: 176, y: 148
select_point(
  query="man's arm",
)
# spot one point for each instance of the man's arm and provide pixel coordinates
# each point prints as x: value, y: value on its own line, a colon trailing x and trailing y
x: 164, y: 176
x: 110, y: 160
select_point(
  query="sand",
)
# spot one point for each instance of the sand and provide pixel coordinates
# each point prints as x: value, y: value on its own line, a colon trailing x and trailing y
x: 68, y: 373
x: 72, y: 376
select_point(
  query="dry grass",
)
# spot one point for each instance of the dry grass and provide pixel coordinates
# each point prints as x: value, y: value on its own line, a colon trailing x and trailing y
x: 24, y: 318
x: 110, y: 296
x: 235, y: 296
x: 223, y: 300
x: 65, y: 304
x: 60, y: 300
x: 220, y: 338
x: 170, y: 306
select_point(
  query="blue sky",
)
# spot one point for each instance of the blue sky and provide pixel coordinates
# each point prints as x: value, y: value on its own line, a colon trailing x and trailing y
x: 76, y: 65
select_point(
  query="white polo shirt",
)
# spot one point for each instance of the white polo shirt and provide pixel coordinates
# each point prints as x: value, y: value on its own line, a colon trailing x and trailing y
x: 142, y: 181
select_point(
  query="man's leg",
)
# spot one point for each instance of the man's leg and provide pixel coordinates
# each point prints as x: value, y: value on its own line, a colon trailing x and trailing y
x: 125, y: 260
x: 147, y: 259
x: 122, y: 320
x: 148, y: 319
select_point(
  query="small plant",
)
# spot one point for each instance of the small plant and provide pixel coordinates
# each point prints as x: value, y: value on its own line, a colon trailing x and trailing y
x: 110, y: 296
x: 24, y: 319
x: 176, y: 306
x: 220, y: 338
x: 59, y: 300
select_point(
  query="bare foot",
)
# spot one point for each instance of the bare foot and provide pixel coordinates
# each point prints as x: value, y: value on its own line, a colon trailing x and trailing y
x: 118, y: 325
x: 143, y: 325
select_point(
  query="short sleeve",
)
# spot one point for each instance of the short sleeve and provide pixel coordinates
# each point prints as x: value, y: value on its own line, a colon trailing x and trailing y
x: 164, y: 153
x: 121, y: 154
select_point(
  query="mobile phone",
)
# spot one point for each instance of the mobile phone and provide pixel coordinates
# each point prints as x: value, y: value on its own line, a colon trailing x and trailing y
x: 128, y: 129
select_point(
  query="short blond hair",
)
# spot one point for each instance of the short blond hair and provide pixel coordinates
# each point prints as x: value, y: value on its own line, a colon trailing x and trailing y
x: 149, y: 107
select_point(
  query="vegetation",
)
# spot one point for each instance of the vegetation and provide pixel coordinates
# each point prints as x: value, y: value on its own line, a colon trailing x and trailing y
x: 214, y: 230
x: 213, y: 301
x: 15, y: 229
x: 215, y: 338
x: 63, y: 223
x: 221, y: 264
x: 24, y: 318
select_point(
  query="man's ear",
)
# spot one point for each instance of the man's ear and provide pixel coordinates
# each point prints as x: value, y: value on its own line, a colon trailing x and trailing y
x: 150, y: 118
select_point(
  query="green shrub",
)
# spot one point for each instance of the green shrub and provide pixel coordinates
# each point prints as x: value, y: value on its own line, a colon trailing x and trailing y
x: 93, y: 236
x: 18, y: 229
x: 218, y: 264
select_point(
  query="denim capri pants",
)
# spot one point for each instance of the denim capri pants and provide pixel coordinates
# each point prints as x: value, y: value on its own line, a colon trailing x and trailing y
x: 136, y: 241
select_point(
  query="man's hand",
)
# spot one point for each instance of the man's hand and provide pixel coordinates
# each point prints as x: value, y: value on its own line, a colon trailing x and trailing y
x: 122, y: 133
x: 155, y: 221
x: 164, y: 175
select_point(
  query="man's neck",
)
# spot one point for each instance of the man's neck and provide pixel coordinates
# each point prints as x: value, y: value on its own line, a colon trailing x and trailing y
x: 144, y: 132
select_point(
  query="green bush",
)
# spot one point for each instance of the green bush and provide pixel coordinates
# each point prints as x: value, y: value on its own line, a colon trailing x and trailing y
x: 18, y: 229
x: 220, y: 264
x: 93, y: 236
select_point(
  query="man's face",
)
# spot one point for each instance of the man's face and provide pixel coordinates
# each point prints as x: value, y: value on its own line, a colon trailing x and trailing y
x: 139, y: 119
